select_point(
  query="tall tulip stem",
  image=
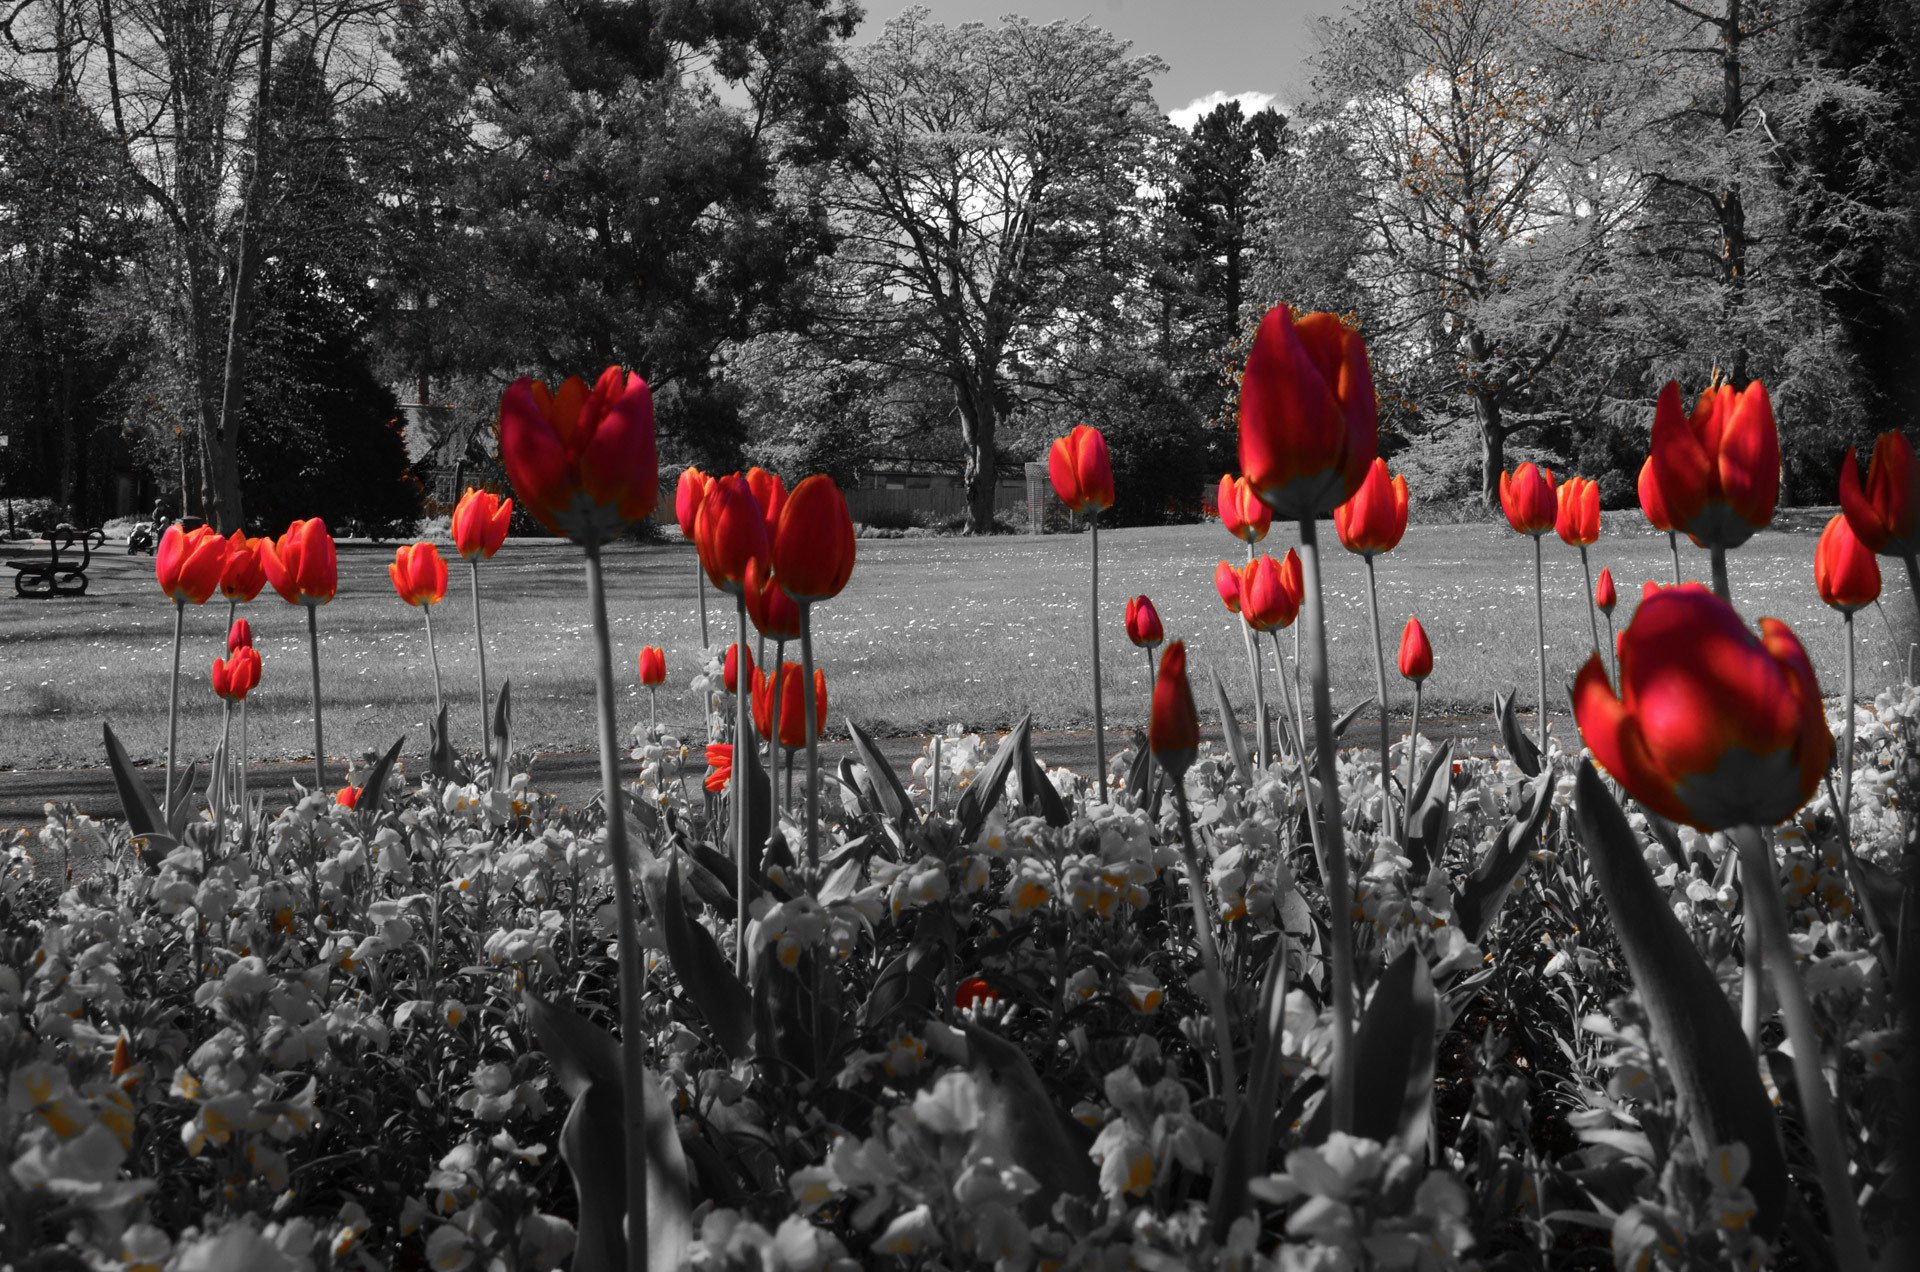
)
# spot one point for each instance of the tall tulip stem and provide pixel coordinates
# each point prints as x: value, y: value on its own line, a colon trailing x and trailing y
x: 1846, y: 759
x: 1913, y: 577
x: 1540, y: 639
x: 773, y: 726
x: 1380, y: 687
x: 1291, y: 726
x: 245, y: 818
x: 813, y: 735
x: 480, y: 646
x: 633, y: 1073
x: 1673, y: 546
x: 653, y: 710
x: 700, y: 573
x: 173, y: 708
x: 1593, y: 609
x: 1613, y: 651
x: 1259, y: 688
x: 1816, y: 1099
x: 1216, y: 982
x: 313, y: 655
x: 433, y: 652
x: 1721, y: 586
x: 1413, y: 753
x: 220, y: 797
x: 742, y: 798
x: 1339, y: 890
x: 1093, y: 632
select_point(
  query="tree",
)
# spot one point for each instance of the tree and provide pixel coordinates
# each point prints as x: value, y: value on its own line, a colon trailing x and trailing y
x: 987, y: 211
x: 1219, y: 165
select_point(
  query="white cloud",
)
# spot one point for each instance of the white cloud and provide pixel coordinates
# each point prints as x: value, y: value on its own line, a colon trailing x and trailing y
x: 1251, y: 103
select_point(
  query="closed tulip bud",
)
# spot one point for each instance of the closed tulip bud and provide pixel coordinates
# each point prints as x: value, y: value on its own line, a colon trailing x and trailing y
x: 480, y: 522
x: 1292, y: 574
x: 245, y: 572
x: 347, y: 796
x: 730, y: 671
x: 419, y: 574
x: 301, y: 564
x: 1416, y: 655
x: 240, y: 635
x: 1652, y: 503
x: 1713, y: 726
x: 653, y: 666
x: 1718, y: 469
x: 189, y: 563
x: 1308, y: 421
x: 1143, y: 623
x: 731, y: 534
x: 793, y: 705
x: 1886, y: 515
x: 1843, y: 569
x: 1173, y: 732
x: 687, y: 497
x: 1242, y: 511
x: 1526, y: 496
x: 1374, y: 520
x: 775, y: 614
x: 582, y: 460
x: 1081, y: 472
x: 1603, y: 594
x: 974, y: 992
x: 814, y: 547
x: 770, y: 493
x: 1226, y: 581
x: 235, y: 675
x: 1268, y: 599
x: 1577, y: 520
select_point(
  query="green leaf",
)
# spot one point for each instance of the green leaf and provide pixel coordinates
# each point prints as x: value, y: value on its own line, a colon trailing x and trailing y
x: 441, y: 760
x: 1393, y: 1053
x: 720, y: 998
x: 502, y: 734
x: 1518, y: 744
x: 1352, y: 714
x: 1236, y: 741
x: 1021, y: 1123
x: 136, y: 802
x: 1037, y: 789
x: 1432, y: 811
x: 1694, y: 1029
x: 180, y: 807
x: 1251, y: 1134
x: 1480, y: 898
x: 374, y: 789
x: 886, y: 783
x: 1140, y: 768
x: 980, y: 798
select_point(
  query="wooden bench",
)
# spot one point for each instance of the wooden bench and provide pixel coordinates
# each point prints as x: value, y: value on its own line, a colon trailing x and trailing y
x: 54, y: 574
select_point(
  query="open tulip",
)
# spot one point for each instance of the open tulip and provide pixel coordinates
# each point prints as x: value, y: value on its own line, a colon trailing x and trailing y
x: 301, y: 564
x: 1242, y: 511
x: 1416, y: 664
x: 235, y: 675
x: 1308, y: 420
x: 1081, y: 472
x: 1527, y: 497
x: 814, y: 545
x: 1718, y: 469
x: 347, y: 796
x: 731, y: 533
x: 246, y: 571
x: 582, y: 459
x: 719, y: 766
x: 419, y: 574
x: 1375, y: 519
x: 791, y: 724
x: 1143, y: 623
x: 190, y: 563
x: 1269, y: 599
x: 1885, y: 515
x: 480, y: 523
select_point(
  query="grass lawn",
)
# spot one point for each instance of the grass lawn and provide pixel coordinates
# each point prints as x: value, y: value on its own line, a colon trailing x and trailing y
x: 930, y: 631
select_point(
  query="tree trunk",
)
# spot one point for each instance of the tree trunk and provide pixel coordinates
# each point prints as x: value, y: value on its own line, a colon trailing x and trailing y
x: 978, y: 423
x: 1493, y: 445
x: 1732, y: 212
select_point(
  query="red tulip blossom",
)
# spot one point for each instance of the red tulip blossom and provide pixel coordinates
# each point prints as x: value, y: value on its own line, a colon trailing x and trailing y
x: 1081, y: 472
x: 1226, y: 581
x: 1269, y: 599
x: 813, y: 548
x: 235, y: 675
x: 1652, y: 503
x: 688, y: 495
x: 1526, y: 496
x: 1885, y: 516
x: 1416, y: 655
x: 1374, y: 520
x: 1242, y: 511
x: 419, y: 574
x: 719, y: 766
x: 974, y: 992
x: 190, y: 563
x: 775, y: 614
x: 1577, y: 520
x: 653, y: 666
x: 731, y: 534
x: 240, y: 635
x: 480, y: 522
x: 1718, y: 469
x: 793, y: 705
x: 1308, y: 420
x: 1173, y: 731
x: 347, y: 796
x: 301, y: 564
x: 1713, y: 726
x: 1844, y: 569
x: 1604, y: 595
x: 730, y: 668
x: 1143, y: 623
x: 770, y: 493
x: 246, y: 570
x: 582, y: 459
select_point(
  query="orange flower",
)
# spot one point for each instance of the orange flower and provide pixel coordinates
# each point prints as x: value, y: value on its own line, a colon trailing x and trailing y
x: 1713, y: 726
x: 419, y: 574
x: 793, y: 705
x: 1416, y: 655
x: 775, y: 614
x: 301, y: 564
x: 719, y: 766
x: 653, y: 666
x: 770, y: 493
x: 235, y: 675
x: 1651, y: 501
x: 1226, y: 581
x: 688, y: 496
x: 1577, y: 520
x: 582, y: 459
x: 1269, y: 599
x: 1081, y: 472
x: 245, y: 573
x: 1143, y: 623
x: 731, y: 533
x: 1603, y: 594
x: 1308, y: 422
x: 1886, y: 515
x: 1718, y: 469
x: 190, y: 563
x: 813, y: 549
x: 480, y: 522
x: 1374, y: 520
x: 1526, y: 496
x: 1242, y: 511
x: 1173, y: 732
x: 1843, y: 569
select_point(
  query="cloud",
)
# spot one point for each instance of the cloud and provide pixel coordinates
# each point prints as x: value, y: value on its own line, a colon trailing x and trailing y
x: 1251, y: 103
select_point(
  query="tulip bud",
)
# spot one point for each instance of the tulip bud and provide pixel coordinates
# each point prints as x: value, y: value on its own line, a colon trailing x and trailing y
x: 1143, y: 623
x: 1651, y: 501
x: 653, y: 666
x: 731, y: 534
x: 730, y: 669
x: 1173, y: 732
x: 1604, y: 596
x: 245, y: 573
x: 687, y: 497
x: 1242, y: 511
x: 301, y: 564
x: 1374, y: 520
x: 239, y: 635
x: 1844, y: 571
x: 419, y: 574
x: 189, y: 564
x: 1718, y: 469
x: 480, y: 522
x: 775, y: 615
x: 1226, y: 581
x: 347, y: 796
x: 1308, y: 422
x: 1416, y: 655
x: 1885, y: 517
x: 1081, y: 472
x: 582, y: 460
x: 1526, y: 496
x: 813, y: 549
x: 1577, y: 518
x: 1267, y: 599
x: 793, y: 705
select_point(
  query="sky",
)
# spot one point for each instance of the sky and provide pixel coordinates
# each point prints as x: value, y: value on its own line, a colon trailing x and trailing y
x: 1255, y: 50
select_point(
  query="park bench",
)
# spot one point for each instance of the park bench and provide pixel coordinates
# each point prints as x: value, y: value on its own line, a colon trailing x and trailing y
x: 56, y: 574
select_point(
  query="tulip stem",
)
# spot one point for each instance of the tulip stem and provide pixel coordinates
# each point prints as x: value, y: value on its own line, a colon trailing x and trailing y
x: 1540, y: 639
x: 1720, y: 584
x: 1380, y: 687
x: 773, y: 725
x: 653, y: 710
x: 480, y: 645
x: 1913, y: 576
x: 1673, y: 546
x: 742, y: 798
x: 633, y: 1073
x: 220, y: 784
x: 1093, y: 629
x: 1593, y: 610
x: 246, y: 820
x: 173, y: 710
x: 1209, y: 957
x: 813, y: 733
x: 1413, y: 755
x: 433, y: 652
x: 313, y: 654
x: 1816, y: 1098
x: 1334, y: 862
x: 1289, y: 717
x: 1752, y: 956
x: 700, y: 573
x: 1613, y: 650
x: 1259, y: 685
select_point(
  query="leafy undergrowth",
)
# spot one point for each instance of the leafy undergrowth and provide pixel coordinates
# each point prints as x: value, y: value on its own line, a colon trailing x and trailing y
x: 973, y: 1035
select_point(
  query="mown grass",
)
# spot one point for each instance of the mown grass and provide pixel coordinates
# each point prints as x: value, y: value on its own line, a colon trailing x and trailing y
x: 931, y: 631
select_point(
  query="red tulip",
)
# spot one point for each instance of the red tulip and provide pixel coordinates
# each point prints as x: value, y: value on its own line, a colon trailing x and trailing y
x: 1577, y: 521
x: 419, y: 574
x: 301, y: 564
x: 1226, y: 581
x: 653, y: 666
x: 1652, y: 503
x: 1718, y: 470
x: 1292, y: 574
x: 775, y: 614
x: 687, y: 497
x: 240, y: 635
x: 1844, y: 570
x: 1244, y: 513
x: 1173, y: 732
x: 770, y: 493
x: 974, y: 992
x: 582, y: 459
x: 1081, y: 472
x: 1268, y: 598
x: 190, y: 563
x: 1374, y: 520
x: 730, y: 670
x: 1713, y: 726
x: 1416, y: 655
x: 719, y: 766
x: 1143, y: 623
x: 793, y: 705
x: 1526, y: 496
x: 1603, y: 594
x: 813, y: 549
x: 1886, y: 515
x: 235, y: 675
x: 480, y: 522
x: 731, y: 533
x: 1308, y: 422
x: 347, y: 796
x: 245, y: 573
